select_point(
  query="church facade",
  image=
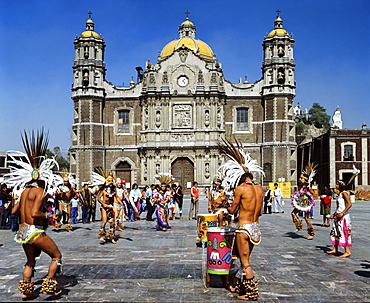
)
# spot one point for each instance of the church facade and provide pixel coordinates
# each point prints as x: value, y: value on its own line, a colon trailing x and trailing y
x: 173, y: 117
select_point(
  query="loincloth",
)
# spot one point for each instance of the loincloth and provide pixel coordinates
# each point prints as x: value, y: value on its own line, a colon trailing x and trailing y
x: 252, y: 230
x: 27, y: 234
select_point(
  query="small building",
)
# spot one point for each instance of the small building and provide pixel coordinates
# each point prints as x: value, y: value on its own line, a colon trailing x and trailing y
x: 336, y: 152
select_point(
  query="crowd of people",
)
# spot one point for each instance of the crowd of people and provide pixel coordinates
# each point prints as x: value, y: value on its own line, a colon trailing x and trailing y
x: 36, y: 201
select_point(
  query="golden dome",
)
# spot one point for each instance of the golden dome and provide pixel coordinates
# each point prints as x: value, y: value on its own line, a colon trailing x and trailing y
x: 197, y: 46
x: 87, y: 34
x: 187, y: 22
x: 89, y: 21
x: 280, y: 32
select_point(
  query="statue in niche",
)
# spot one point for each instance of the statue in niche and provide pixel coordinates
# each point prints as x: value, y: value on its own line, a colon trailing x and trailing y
x: 206, y: 118
x: 165, y: 78
x: 206, y: 169
x: 157, y: 168
x: 146, y: 118
x: 213, y: 78
x: 158, y: 118
x: 151, y: 79
x: 281, y: 51
x: 200, y: 77
x: 218, y: 116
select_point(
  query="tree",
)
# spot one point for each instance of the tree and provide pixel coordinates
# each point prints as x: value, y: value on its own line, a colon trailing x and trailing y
x: 318, y: 117
x: 57, y: 154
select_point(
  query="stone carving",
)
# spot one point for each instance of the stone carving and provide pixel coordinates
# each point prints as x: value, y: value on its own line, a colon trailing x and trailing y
x: 157, y: 168
x: 182, y: 137
x: 200, y: 77
x: 213, y: 78
x: 206, y: 170
x: 182, y: 116
x: 146, y: 118
x: 152, y: 79
x: 165, y: 78
x: 219, y: 116
x: 158, y: 118
x: 183, y: 55
x: 206, y: 118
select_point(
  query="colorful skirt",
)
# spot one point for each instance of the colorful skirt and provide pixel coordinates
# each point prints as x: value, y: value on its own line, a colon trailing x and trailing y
x: 341, y: 232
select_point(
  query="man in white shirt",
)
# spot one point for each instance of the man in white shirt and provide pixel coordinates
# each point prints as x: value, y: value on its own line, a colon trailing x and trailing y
x: 277, y: 207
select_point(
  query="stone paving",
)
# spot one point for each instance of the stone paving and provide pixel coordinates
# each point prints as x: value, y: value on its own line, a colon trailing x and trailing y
x: 153, y: 266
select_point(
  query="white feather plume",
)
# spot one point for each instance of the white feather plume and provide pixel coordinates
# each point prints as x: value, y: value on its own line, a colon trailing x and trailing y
x: 22, y: 171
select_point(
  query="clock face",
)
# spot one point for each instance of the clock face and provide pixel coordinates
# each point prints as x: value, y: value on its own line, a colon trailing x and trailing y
x: 182, y: 81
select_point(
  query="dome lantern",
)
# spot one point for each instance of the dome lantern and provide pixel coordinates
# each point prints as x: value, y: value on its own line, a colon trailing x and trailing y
x: 187, y: 39
x: 90, y: 28
x: 278, y: 27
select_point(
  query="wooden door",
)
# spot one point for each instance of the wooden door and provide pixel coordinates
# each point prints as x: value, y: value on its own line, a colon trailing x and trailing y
x: 183, y: 171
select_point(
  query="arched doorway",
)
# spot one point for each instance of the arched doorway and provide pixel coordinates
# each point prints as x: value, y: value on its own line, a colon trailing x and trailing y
x: 183, y: 171
x: 123, y: 171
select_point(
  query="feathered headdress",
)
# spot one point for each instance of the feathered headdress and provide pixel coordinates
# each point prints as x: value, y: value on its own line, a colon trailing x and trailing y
x: 101, y: 177
x: 355, y: 173
x: 64, y: 175
x: 240, y: 163
x: 164, y: 178
x: 37, y: 167
x: 309, y: 172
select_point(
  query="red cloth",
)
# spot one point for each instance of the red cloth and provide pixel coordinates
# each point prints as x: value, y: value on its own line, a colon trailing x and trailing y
x: 326, y: 200
x: 194, y: 192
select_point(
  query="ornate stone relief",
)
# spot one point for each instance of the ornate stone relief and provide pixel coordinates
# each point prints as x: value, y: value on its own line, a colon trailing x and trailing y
x: 152, y: 79
x: 165, y: 78
x: 206, y: 118
x: 213, y: 78
x: 218, y: 116
x: 158, y: 118
x: 206, y: 171
x: 183, y: 55
x: 200, y: 77
x: 182, y: 137
x: 182, y: 116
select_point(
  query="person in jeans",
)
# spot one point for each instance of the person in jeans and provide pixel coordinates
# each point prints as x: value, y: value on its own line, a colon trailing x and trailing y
x: 194, y: 203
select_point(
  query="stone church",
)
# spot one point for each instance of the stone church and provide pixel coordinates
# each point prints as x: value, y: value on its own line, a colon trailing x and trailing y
x: 173, y: 117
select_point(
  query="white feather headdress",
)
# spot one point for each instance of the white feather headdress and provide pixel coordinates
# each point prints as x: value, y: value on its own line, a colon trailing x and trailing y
x: 240, y: 163
x: 309, y: 172
x: 65, y: 175
x: 100, y: 177
x: 36, y: 167
x: 166, y: 178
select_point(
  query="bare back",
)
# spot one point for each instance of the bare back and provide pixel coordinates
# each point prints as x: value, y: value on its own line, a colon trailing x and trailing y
x: 249, y: 198
x: 31, y: 206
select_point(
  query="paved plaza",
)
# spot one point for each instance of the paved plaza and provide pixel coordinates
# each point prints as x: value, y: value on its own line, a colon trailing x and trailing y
x: 153, y: 266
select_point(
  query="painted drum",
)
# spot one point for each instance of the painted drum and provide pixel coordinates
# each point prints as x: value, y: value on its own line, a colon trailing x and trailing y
x: 219, y: 250
x: 205, y: 221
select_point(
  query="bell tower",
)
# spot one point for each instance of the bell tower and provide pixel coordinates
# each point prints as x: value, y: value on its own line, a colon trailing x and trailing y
x: 88, y: 93
x: 278, y: 92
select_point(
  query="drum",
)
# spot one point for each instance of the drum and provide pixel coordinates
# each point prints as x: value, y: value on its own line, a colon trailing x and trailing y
x: 205, y: 221
x: 219, y: 250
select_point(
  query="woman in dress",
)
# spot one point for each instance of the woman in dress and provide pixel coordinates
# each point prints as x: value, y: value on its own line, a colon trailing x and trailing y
x: 341, y: 232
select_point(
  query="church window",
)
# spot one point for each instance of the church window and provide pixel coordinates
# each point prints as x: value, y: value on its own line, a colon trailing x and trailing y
x: 242, y: 119
x: 348, y: 153
x: 123, y: 121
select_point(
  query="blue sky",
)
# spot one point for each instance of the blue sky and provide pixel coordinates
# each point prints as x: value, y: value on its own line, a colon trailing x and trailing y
x: 332, y: 52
